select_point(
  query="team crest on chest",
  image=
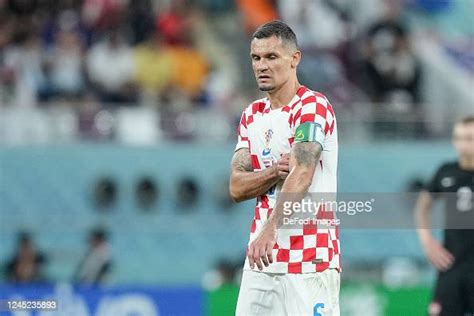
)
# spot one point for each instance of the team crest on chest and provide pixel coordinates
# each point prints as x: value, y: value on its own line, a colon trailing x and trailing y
x: 268, y: 137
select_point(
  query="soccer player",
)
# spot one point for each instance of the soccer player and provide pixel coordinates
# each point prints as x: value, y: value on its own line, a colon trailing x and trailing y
x: 454, y: 181
x: 287, y: 146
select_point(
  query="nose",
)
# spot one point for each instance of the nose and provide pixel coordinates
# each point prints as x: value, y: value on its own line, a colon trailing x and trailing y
x: 261, y: 65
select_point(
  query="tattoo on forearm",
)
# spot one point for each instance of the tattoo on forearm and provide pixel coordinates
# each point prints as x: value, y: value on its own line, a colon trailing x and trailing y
x: 307, y: 153
x: 241, y: 160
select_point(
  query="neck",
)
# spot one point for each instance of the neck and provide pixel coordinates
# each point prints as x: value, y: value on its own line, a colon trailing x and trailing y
x: 466, y: 163
x: 284, y: 94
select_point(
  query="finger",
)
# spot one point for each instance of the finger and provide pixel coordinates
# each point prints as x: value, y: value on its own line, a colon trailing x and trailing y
x: 444, y: 261
x: 443, y: 267
x: 257, y: 260
x: 440, y: 259
x: 270, y: 254
x: 263, y: 256
x: 449, y: 259
x: 284, y: 168
x: 283, y: 174
x: 446, y: 255
x: 259, y: 263
x: 250, y: 256
x: 435, y: 260
x: 449, y: 254
x: 283, y: 164
x: 438, y: 264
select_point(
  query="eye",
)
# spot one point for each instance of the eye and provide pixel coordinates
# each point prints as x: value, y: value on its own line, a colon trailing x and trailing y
x: 272, y: 56
x: 255, y: 57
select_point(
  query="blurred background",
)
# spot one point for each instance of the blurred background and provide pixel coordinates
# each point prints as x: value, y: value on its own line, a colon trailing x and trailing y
x: 117, y: 126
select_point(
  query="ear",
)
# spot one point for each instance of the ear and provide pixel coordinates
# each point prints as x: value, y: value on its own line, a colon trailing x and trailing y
x: 295, y: 59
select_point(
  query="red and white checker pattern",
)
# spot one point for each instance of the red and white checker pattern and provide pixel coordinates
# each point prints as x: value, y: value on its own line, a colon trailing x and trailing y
x: 310, y: 248
x: 313, y: 107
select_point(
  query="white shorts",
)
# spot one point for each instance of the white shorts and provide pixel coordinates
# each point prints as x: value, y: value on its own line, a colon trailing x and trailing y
x: 289, y: 294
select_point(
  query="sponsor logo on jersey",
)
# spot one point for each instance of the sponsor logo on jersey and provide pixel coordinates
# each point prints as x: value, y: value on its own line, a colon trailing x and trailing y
x: 447, y: 182
x: 268, y: 162
x: 316, y: 309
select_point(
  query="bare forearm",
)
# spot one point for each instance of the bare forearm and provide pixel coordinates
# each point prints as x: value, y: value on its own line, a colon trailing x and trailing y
x: 293, y: 190
x: 246, y: 185
x: 422, y: 216
x: 244, y: 182
x: 304, y: 158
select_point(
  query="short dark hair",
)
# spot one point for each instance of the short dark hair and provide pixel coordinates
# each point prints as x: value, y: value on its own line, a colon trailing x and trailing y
x: 276, y: 28
x: 467, y: 120
x: 99, y: 233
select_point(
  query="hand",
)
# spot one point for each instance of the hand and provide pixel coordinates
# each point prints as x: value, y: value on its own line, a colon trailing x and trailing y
x: 438, y: 255
x: 260, y: 250
x: 283, y: 166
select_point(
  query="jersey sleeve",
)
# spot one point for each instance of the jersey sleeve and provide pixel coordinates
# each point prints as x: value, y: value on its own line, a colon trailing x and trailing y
x: 314, y: 120
x: 242, y: 136
x: 434, y: 184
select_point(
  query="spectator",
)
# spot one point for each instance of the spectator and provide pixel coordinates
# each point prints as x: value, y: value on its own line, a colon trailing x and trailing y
x: 23, y: 64
x: 65, y: 65
x: 223, y: 288
x: 324, y: 45
x: 7, y: 80
x: 302, y: 14
x: 175, y: 23
x: 27, y: 264
x: 111, y: 67
x: 227, y: 271
x: 96, y: 264
x: 140, y: 15
x: 154, y: 67
x: 392, y: 70
x: 256, y: 12
x: 102, y: 15
x: 190, y: 70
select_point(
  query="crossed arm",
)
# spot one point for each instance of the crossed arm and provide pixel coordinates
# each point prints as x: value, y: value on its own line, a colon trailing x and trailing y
x: 303, y: 160
x: 245, y: 184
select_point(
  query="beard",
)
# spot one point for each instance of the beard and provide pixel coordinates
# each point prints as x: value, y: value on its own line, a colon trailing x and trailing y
x: 266, y: 88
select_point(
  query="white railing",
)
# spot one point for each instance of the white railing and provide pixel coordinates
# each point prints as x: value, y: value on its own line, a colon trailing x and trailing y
x: 70, y: 123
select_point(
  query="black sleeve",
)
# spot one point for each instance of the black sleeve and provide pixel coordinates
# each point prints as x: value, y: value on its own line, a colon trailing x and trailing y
x: 104, y: 271
x: 10, y: 270
x: 434, y: 185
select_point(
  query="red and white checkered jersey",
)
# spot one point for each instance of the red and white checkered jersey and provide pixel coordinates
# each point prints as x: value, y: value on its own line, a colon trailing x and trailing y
x: 268, y: 134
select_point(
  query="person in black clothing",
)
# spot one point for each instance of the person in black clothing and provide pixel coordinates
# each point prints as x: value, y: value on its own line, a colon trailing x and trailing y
x: 390, y: 66
x: 454, y: 259
x: 26, y: 265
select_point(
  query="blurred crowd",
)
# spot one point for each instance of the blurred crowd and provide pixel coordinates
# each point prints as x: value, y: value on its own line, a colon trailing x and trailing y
x: 117, y: 52
x: 186, y: 54
x: 28, y: 263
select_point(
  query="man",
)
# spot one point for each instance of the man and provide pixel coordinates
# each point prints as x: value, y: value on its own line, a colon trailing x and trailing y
x: 287, y: 146
x: 27, y: 265
x: 454, y: 181
x: 96, y: 265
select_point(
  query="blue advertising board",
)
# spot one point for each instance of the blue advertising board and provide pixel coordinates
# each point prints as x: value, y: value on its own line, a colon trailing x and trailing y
x: 105, y: 301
